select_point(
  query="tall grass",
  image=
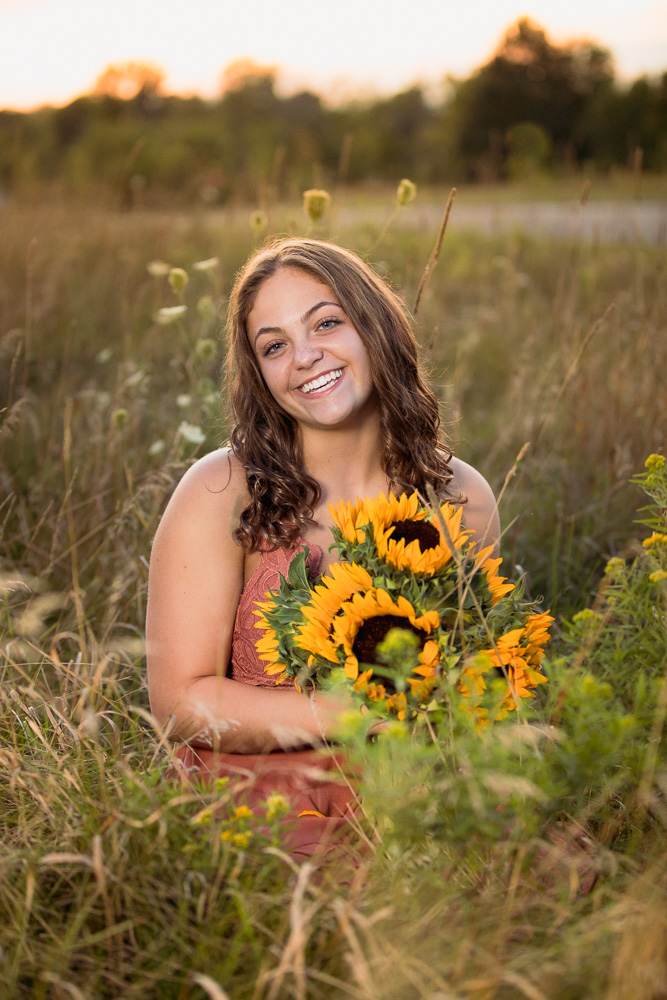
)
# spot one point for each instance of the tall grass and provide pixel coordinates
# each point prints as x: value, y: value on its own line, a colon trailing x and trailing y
x: 473, y: 850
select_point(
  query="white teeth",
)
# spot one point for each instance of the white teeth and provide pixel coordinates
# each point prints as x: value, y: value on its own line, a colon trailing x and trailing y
x: 319, y: 383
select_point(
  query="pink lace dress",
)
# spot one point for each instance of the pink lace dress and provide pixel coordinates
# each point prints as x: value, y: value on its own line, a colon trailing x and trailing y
x: 321, y: 797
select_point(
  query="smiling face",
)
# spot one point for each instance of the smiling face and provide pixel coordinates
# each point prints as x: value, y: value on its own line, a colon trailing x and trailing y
x: 311, y: 357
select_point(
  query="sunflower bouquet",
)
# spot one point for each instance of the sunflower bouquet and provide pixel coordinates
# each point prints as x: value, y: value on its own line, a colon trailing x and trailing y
x: 463, y: 630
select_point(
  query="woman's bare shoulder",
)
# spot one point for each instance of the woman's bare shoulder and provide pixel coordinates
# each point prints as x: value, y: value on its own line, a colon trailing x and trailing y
x: 216, y: 475
x: 480, y: 512
x: 213, y: 489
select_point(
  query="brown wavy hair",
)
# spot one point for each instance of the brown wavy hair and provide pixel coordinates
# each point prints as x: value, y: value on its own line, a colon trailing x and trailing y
x: 283, y: 495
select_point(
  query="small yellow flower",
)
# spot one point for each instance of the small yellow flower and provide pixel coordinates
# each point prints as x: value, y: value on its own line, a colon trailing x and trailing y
x: 656, y: 539
x: 276, y: 805
x: 655, y: 462
x: 226, y: 836
x: 203, y: 817
x: 614, y: 568
x: 242, y: 839
x: 659, y: 576
x: 242, y: 812
x: 586, y: 616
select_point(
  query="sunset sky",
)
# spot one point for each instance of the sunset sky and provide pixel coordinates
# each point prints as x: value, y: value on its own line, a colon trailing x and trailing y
x: 53, y: 50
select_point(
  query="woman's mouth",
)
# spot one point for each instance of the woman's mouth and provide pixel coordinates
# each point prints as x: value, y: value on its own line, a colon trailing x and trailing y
x: 321, y: 382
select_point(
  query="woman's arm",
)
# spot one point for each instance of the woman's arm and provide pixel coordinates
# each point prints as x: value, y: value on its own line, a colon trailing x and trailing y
x: 480, y: 513
x: 195, y: 581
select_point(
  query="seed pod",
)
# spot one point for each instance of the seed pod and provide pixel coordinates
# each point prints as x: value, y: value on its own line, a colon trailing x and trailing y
x: 178, y: 279
x: 406, y: 192
x: 258, y: 221
x: 316, y: 203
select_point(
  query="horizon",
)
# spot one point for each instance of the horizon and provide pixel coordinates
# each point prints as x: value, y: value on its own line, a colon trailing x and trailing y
x: 309, y: 52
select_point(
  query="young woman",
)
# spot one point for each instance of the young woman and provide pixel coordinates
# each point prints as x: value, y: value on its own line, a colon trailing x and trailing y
x: 330, y: 403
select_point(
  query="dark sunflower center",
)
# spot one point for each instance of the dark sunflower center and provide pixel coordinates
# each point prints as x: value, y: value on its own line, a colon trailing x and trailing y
x: 424, y: 532
x: 373, y: 631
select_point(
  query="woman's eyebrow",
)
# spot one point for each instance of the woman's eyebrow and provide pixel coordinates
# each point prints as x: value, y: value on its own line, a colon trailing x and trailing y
x: 304, y: 319
x: 313, y: 309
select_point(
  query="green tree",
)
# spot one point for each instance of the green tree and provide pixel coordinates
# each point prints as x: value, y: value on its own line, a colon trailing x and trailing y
x: 528, y: 80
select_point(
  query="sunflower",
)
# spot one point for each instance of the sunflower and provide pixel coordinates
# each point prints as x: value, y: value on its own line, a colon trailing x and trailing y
x: 518, y: 662
x: 315, y: 633
x: 365, y: 620
x: 537, y: 634
x: 495, y: 583
x: 407, y: 539
x: 350, y: 518
x: 267, y: 646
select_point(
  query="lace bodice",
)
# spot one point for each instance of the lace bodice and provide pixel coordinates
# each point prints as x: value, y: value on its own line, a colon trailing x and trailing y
x: 245, y: 664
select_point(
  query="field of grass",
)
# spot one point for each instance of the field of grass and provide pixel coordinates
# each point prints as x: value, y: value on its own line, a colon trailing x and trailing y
x: 467, y: 873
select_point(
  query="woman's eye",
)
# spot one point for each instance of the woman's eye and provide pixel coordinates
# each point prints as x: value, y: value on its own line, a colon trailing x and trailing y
x: 271, y: 348
x: 328, y: 324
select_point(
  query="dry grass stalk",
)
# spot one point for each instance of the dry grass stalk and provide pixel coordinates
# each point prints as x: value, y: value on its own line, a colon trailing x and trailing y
x: 435, y: 253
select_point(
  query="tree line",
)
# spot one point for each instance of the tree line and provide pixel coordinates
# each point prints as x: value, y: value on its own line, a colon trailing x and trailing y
x: 534, y: 107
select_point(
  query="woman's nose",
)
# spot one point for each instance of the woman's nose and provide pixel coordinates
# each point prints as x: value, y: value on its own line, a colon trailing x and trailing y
x: 306, y: 353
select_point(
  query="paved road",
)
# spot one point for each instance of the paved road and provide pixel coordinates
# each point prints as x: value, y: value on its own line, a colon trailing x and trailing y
x: 603, y: 221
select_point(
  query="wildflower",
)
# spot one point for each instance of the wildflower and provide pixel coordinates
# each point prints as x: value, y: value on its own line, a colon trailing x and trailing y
x: 178, y: 280
x: 315, y: 203
x: 258, y: 221
x: 157, y: 447
x: 242, y: 839
x: 206, y: 265
x: 654, y: 462
x: 242, y: 812
x: 226, y: 836
x: 587, y: 616
x: 614, y: 568
x: 657, y: 539
x: 276, y: 805
x: 406, y: 192
x: 659, y: 576
x: 183, y: 400
x: 169, y: 314
x: 220, y: 784
x: 192, y: 433
x: 158, y: 268
x: 203, y: 817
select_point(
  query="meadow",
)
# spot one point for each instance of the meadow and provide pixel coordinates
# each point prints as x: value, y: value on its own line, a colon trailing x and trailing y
x: 526, y: 861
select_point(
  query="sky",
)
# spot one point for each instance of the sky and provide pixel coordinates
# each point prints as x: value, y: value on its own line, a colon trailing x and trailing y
x: 53, y: 50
